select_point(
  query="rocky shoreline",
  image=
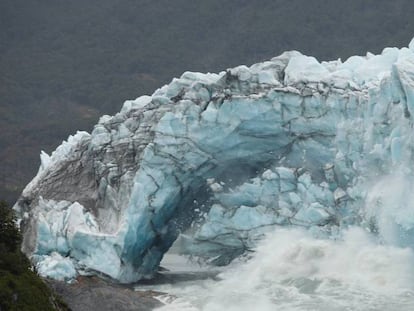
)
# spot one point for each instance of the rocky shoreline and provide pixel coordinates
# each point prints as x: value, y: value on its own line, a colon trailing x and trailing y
x: 92, y: 293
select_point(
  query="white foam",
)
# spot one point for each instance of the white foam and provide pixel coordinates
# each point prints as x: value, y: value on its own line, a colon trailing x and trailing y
x: 293, y: 271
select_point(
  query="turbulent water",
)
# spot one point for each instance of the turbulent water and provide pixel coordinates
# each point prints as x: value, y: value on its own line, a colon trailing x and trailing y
x: 293, y: 271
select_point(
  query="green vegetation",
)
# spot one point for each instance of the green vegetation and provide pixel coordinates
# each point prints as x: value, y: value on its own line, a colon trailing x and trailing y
x: 20, y: 288
x: 65, y: 63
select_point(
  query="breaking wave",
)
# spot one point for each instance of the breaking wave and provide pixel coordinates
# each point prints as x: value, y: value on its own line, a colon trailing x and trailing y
x: 293, y: 271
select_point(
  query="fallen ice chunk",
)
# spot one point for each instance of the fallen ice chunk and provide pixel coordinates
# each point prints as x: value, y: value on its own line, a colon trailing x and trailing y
x: 56, y: 267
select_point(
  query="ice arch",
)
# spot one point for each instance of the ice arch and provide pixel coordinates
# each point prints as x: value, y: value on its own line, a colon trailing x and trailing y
x: 312, y: 133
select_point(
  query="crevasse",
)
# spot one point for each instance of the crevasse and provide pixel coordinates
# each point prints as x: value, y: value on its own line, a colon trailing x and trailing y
x: 224, y: 158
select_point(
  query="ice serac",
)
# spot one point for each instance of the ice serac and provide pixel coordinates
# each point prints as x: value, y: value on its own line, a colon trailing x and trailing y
x: 224, y: 158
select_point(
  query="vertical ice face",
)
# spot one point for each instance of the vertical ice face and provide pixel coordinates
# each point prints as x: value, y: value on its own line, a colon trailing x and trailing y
x: 230, y: 156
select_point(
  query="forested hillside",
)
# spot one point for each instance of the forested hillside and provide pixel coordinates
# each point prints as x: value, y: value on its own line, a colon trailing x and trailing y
x: 65, y: 63
x: 21, y: 289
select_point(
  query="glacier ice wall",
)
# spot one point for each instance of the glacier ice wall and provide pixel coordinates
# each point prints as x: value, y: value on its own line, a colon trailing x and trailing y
x: 227, y: 157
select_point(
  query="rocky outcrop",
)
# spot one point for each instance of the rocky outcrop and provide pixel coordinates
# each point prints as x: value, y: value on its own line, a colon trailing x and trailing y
x: 93, y: 293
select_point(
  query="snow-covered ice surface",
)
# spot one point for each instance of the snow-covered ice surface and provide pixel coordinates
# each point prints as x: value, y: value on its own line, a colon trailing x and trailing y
x: 226, y: 159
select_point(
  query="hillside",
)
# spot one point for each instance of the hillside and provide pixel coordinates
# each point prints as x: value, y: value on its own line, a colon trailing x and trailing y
x: 65, y: 63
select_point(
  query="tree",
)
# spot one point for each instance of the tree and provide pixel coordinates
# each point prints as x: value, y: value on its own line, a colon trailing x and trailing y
x: 21, y: 288
x: 10, y: 237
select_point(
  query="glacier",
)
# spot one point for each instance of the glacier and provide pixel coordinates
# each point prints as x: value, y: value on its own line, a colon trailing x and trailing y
x: 219, y: 160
